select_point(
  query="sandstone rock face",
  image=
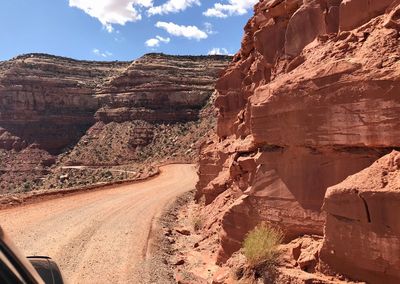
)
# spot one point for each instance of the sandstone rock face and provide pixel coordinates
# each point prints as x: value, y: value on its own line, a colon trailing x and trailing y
x: 362, y: 231
x: 111, y: 108
x: 304, y: 25
x: 354, y: 13
x: 299, y: 114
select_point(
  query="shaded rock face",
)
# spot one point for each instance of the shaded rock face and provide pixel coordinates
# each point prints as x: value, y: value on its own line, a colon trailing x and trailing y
x: 52, y: 102
x: 49, y: 100
x: 308, y: 101
x: 362, y: 231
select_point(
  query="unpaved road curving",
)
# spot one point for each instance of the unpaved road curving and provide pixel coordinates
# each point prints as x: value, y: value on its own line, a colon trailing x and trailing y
x: 100, y: 236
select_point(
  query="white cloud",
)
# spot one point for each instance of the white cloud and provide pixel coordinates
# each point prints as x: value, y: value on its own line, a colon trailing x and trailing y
x: 218, y: 51
x: 110, y: 12
x: 99, y: 53
x: 163, y: 39
x: 152, y: 42
x: 155, y: 42
x: 209, y: 29
x: 172, y: 6
x: 232, y: 7
x: 190, y: 32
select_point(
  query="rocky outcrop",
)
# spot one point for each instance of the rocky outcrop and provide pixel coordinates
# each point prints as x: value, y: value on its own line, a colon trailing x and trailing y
x: 309, y: 100
x: 362, y: 230
x: 104, y: 111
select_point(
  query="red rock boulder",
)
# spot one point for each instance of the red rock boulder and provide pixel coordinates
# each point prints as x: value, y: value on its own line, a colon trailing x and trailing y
x: 362, y: 231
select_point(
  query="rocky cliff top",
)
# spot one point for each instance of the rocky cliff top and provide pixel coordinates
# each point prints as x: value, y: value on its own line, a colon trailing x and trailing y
x: 40, y: 66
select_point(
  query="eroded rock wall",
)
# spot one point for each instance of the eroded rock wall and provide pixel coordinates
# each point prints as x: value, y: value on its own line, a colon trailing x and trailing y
x: 49, y: 100
x: 310, y: 99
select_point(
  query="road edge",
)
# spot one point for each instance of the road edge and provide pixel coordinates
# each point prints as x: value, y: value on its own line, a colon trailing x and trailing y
x: 22, y: 199
x: 159, y: 266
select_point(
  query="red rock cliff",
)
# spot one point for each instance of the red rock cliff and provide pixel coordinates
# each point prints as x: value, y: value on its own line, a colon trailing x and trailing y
x: 311, y: 98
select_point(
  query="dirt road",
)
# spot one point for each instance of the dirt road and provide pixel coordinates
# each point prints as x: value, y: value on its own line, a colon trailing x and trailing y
x: 100, y: 236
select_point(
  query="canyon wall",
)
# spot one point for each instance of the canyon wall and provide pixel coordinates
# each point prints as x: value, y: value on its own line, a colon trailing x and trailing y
x: 71, y: 112
x: 311, y: 98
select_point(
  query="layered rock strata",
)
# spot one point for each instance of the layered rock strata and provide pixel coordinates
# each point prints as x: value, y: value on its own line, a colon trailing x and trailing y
x: 49, y: 100
x: 104, y: 111
x: 311, y: 98
x: 159, y: 88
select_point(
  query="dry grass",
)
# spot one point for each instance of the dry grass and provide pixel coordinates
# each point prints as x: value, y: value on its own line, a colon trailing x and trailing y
x: 260, y: 245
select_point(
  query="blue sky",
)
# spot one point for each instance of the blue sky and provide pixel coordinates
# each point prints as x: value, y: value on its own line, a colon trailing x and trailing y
x: 121, y: 29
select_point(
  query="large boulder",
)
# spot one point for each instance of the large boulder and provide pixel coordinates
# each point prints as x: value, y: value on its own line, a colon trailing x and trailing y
x: 362, y: 231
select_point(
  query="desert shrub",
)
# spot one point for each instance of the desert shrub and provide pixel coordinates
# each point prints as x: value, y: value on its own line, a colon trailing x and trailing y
x: 197, y: 223
x: 27, y: 186
x: 260, y: 244
x: 107, y: 173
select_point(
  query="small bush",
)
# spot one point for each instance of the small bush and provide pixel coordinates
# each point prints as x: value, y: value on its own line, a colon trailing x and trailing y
x: 260, y: 244
x: 27, y: 186
x: 197, y: 223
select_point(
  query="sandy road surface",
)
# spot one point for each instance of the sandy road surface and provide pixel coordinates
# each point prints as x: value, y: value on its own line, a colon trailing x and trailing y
x: 100, y: 236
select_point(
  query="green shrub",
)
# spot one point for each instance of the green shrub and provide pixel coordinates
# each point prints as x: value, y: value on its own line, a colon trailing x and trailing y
x: 27, y: 186
x: 260, y: 244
